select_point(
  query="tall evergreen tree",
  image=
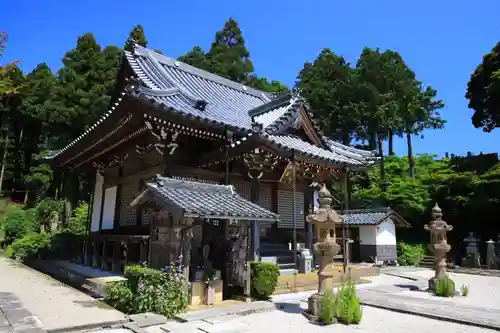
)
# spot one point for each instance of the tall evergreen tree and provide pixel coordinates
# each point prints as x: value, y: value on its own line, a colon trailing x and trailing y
x: 136, y: 36
x: 196, y: 57
x: 85, y: 85
x: 228, y: 56
x: 329, y: 85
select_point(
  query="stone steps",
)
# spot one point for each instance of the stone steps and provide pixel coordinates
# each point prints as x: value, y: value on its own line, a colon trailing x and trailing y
x: 278, y: 254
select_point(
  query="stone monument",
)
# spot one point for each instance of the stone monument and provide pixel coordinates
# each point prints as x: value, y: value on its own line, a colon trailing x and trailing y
x: 438, y: 244
x: 472, y: 258
x: 324, y: 219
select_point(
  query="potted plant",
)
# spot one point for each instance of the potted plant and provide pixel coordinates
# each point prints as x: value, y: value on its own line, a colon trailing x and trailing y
x: 209, y: 274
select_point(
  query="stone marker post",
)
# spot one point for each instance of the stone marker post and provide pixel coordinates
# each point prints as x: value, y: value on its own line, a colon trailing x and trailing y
x: 438, y: 244
x: 490, y: 254
x: 324, y: 219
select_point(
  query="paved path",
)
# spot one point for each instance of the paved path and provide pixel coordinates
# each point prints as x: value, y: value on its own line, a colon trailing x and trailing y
x: 43, y: 299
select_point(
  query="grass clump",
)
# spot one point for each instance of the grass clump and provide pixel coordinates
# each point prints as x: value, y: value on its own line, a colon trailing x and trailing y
x: 445, y: 287
x: 464, y: 290
x: 345, y: 307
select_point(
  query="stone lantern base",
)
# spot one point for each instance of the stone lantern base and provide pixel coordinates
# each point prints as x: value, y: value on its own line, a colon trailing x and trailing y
x: 315, y: 303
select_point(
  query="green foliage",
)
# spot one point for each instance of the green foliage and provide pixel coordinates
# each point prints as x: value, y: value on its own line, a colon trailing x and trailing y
x: 328, y: 309
x: 49, y: 211
x: 136, y: 36
x: 78, y: 221
x: 18, y: 222
x: 120, y: 296
x: 347, y: 304
x: 228, y: 57
x: 31, y: 246
x: 149, y: 290
x: 410, y: 254
x: 445, y: 287
x: 464, y: 290
x: 329, y: 84
x: 66, y: 245
x: 264, y: 278
x: 483, y: 91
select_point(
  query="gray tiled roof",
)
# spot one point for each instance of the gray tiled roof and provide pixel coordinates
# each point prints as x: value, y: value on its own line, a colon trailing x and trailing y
x: 371, y: 216
x: 180, y: 87
x: 207, y: 200
x: 290, y: 142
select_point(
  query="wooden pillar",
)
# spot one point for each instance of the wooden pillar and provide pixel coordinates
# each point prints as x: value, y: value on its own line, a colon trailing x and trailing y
x: 102, y: 201
x: 95, y: 254
x: 104, y: 255
x: 255, y: 225
x: 309, y: 209
x: 118, y: 203
x: 226, y: 269
x: 143, y: 251
x: 87, y: 245
x: 345, y: 206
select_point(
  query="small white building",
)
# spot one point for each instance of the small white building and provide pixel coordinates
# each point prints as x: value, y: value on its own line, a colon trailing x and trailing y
x: 374, y: 233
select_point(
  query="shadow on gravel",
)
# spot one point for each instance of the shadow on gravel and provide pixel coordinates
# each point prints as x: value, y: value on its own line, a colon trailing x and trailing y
x: 289, y: 307
x: 410, y: 287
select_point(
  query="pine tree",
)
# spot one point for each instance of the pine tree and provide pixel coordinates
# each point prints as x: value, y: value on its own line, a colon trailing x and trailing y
x: 85, y: 86
x: 196, y: 57
x: 228, y: 55
x: 136, y: 36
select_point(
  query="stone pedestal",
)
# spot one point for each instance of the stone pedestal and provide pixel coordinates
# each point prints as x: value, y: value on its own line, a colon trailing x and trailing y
x: 314, y: 304
x: 438, y: 245
x: 325, y: 219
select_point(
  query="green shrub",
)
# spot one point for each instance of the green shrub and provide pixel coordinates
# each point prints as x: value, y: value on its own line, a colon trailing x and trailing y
x: 347, y: 305
x: 445, y: 287
x: 47, y: 211
x: 31, y: 246
x: 66, y: 245
x: 150, y: 290
x: 78, y: 221
x: 327, y: 314
x: 17, y: 223
x: 264, y: 278
x: 410, y: 254
x: 464, y: 290
x: 119, y: 296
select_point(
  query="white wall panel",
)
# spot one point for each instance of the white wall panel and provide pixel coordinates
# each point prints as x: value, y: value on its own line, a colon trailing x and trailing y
x: 108, y: 214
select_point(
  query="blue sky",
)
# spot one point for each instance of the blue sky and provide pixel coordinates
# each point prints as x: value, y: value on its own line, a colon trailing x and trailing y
x: 442, y: 40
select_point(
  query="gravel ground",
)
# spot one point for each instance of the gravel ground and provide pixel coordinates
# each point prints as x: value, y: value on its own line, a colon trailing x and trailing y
x: 484, y: 291
x: 375, y: 320
x: 55, y: 304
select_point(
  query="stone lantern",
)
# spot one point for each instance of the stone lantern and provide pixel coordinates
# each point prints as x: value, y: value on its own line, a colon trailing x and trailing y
x: 324, y: 219
x: 438, y: 244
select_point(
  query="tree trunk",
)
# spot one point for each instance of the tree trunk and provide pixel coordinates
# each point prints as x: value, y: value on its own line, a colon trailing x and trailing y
x: 372, y: 141
x: 4, y: 160
x: 391, y: 143
x: 381, y: 155
x: 411, y: 162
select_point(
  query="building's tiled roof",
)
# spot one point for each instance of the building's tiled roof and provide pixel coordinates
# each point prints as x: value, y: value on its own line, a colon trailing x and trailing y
x: 300, y: 146
x: 207, y: 200
x: 181, y: 88
x: 372, y: 217
x: 355, y: 153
